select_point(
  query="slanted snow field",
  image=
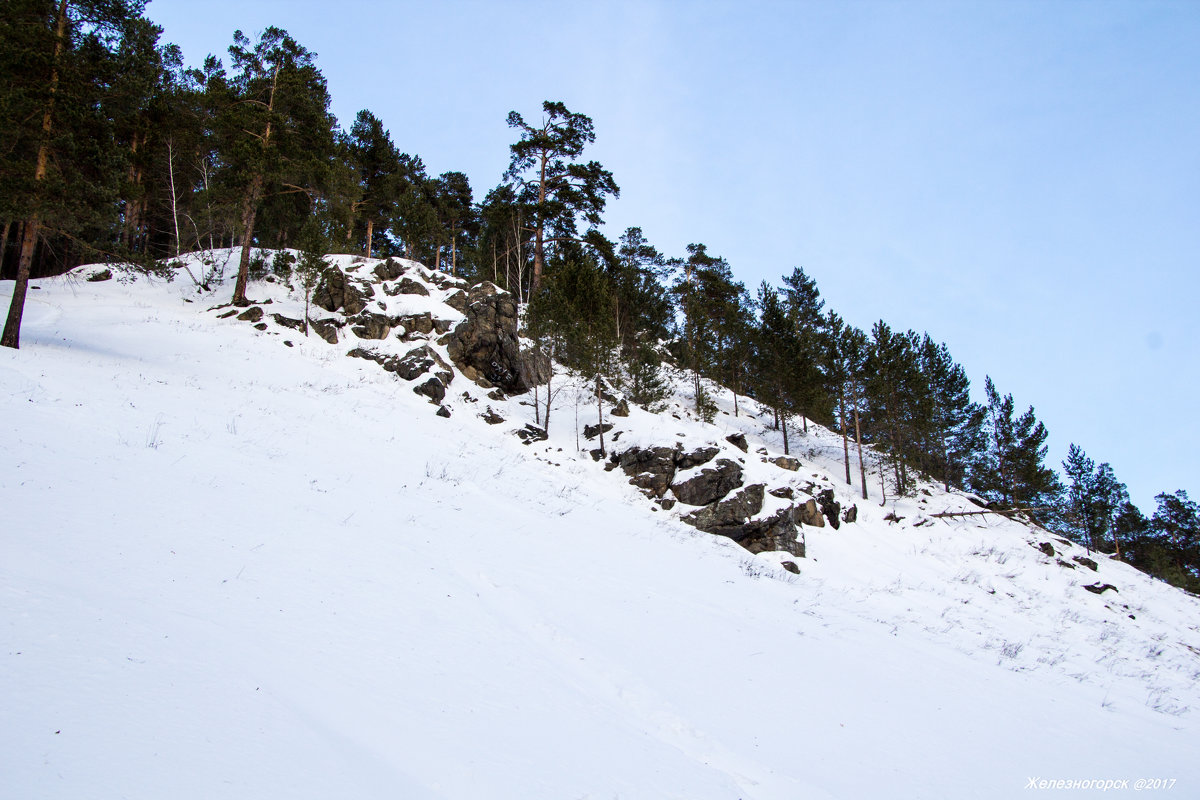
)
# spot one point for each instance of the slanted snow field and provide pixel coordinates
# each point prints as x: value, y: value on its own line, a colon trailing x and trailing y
x: 230, y: 568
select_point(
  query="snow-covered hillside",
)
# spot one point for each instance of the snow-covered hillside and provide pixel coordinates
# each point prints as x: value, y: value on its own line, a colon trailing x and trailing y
x: 237, y: 563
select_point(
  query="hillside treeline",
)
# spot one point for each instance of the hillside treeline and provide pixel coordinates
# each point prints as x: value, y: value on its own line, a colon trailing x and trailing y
x: 114, y: 150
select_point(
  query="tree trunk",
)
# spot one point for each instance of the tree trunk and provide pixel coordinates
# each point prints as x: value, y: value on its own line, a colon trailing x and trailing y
x: 783, y: 422
x: 845, y: 442
x: 454, y: 254
x: 249, y: 212
x: 4, y: 243
x: 539, y: 252
x: 862, y: 469
x: 600, y: 412
x: 250, y: 209
x: 16, y: 309
x: 370, y: 234
x: 174, y: 202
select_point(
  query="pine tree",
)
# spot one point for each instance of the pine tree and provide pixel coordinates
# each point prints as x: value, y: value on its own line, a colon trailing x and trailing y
x: 709, y: 299
x: 803, y: 303
x: 376, y: 164
x: 277, y: 129
x: 558, y: 188
x: 954, y: 422
x: 1010, y: 468
x: 61, y: 165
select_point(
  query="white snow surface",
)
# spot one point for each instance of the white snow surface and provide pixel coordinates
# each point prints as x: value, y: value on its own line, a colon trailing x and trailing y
x: 233, y: 568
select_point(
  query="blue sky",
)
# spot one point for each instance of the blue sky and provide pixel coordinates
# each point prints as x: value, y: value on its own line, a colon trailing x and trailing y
x: 1021, y: 180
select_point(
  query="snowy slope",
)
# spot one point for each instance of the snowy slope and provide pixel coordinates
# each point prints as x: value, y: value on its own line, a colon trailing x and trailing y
x: 235, y: 568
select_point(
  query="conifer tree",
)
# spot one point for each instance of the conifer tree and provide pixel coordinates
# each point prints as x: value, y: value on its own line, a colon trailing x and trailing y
x: 1010, y: 467
x: 553, y: 182
x: 276, y: 128
x: 803, y: 303
x: 61, y: 163
x: 376, y: 164
x: 709, y: 299
x: 954, y: 421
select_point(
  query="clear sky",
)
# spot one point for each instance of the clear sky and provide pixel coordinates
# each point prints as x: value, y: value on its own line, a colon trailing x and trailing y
x: 1021, y: 180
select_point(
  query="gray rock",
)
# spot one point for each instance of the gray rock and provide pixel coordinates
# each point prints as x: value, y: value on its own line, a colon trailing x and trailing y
x: 433, y: 388
x: 701, y: 455
x: 417, y: 323
x: 288, y: 322
x: 1086, y: 562
x: 830, y: 508
x: 651, y: 469
x: 485, y: 346
x: 783, y: 492
x: 777, y: 532
x: 252, y: 314
x: 621, y: 409
x: 327, y: 329
x: 787, y: 462
x: 1047, y: 549
x: 227, y: 314
x: 102, y: 275
x: 809, y: 514
x: 592, y: 431
x: 850, y: 514
x: 723, y: 516
x: 491, y: 417
x: 532, y: 433
x: 335, y: 291
x: 458, y: 301
x: 371, y: 326
x: 409, y: 286
x: 710, y: 485
x: 1101, y: 588
x: 738, y: 440
x: 389, y: 270
x: 443, y: 412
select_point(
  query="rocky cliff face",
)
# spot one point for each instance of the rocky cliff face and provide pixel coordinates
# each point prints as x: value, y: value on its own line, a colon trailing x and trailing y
x: 485, y: 345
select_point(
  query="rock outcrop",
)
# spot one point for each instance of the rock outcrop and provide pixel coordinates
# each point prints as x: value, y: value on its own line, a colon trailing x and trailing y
x: 710, y: 485
x: 485, y: 345
x: 335, y: 291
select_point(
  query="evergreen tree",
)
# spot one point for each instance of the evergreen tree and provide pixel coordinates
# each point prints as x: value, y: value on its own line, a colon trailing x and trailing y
x: 803, y: 303
x: 954, y: 422
x: 1010, y: 467
x: 276, y: 128
x: 709, y: 299
x: 455, y: 213
x: 559, y: 189
x: 375, y: 162
x: 62, y: 164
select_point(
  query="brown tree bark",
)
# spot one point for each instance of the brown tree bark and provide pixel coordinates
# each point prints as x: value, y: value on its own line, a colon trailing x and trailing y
x: 16, y: 309
x: 370, y: 234
x: 250, y: 209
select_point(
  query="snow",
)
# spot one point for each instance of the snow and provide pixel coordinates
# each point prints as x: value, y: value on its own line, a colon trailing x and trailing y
x: 234, y: 568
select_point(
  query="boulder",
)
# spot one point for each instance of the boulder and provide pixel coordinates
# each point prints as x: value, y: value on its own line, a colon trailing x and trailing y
x: 1086, y: 562
x: 371, y: 326
x: 726, y: 517
x: 389, y: 270
x: 774, y: 533
x: 327, y: 329
x: 697, y: 457
x: 409, y: 286
x: 592, y: 431
x: 651, y: 469
x: 1101, y: 588
x: 433, y: 388
x: 710, y: 485
x: 850, y: 514
x: 830, y: 508
x: 288, y: 322
x: 335, y: 291
x: 532, y: 433
x: 491, y: 417
x: 418, y: 361
x: 102, y: 275
x: 783, y: 493
x: 1047, y: 549
x: 790, y: 566
x: 252, y: 314
x: 485, y: 346
x: 443, y: 412
x: 621, y: 409
x: 458, y: 301
x: 738, y: 440
x: 416, y: 323
x: 810, y: 515
x: 787, y: 462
